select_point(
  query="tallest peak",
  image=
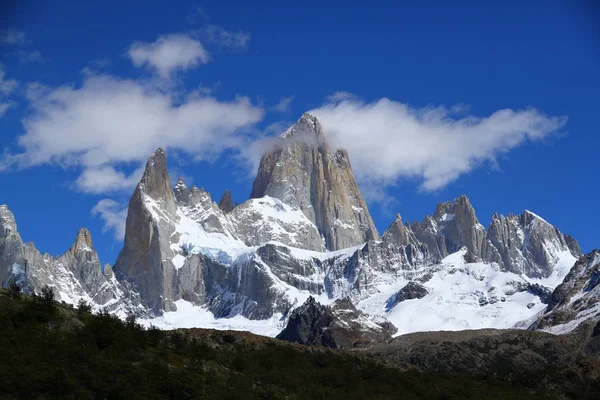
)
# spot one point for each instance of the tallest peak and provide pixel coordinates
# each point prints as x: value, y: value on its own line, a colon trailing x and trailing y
x: 308, y: 117
x: 308, y: 126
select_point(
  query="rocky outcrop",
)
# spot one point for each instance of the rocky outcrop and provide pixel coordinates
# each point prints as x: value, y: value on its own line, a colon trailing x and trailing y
x: 412, y: 290
x: 304, y: 172
x: 226, y: 203
x: 340, y: 326
x: 576, y: 300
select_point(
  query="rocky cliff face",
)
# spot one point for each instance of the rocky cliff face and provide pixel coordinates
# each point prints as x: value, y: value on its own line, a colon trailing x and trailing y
x: 527, y: 244
x: 576, y: 300
x: 304, y: 172
x: 147, y: 257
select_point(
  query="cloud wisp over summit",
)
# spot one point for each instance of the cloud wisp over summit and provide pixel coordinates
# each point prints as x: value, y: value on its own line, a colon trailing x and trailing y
x: 389, y: 141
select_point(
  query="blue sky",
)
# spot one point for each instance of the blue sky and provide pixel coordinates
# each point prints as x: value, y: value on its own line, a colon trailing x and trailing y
x: 497, y: 101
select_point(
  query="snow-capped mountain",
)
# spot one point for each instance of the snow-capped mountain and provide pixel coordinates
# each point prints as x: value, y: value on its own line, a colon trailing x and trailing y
x: 75, y: 275
x: 305, y: 232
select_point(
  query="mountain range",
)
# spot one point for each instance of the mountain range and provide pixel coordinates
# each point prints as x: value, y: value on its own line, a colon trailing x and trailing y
x: 302, y: 259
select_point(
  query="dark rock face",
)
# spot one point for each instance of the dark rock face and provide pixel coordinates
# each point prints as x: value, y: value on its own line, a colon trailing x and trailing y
x: 308, y: 325
x: 304, y: 172
x: 340, y: 326
x: 412, y: 290
x: 226, y: 203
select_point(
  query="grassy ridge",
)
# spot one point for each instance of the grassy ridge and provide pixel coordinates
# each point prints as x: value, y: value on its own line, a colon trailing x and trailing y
x: 51, y: 351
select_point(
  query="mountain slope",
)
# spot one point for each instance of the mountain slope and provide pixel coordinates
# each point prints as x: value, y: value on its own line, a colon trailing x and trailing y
x: 56, y: 352
x: 576, y: 301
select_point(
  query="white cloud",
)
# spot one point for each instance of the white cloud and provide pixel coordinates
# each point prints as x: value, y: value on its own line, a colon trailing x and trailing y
x: 168, y: 54
x: 7, y: 86
x: 29, y: 56
x: 114, y: 216
x: 107, y: 123
x: 4, y: 107
x: 12, y: 37
x: 340, y: 96
x: 284, y: 104
x: 225, y: 39
x: 388, y: 140
x: 106, y: 179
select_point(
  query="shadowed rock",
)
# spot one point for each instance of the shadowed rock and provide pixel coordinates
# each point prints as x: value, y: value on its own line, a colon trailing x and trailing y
x: 226, y: 202
x: 340, y: 326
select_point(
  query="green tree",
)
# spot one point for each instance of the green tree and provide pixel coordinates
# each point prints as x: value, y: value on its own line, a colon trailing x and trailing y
x: 14, y: 289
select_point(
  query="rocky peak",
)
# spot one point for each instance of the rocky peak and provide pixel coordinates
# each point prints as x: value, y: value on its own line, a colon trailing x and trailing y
x: 146, y: 256
x: 7, y: 221
x: 527, y: 243
x: 155, y: 181
x: 453, y: 225
x: 226, y: 203
x: 308, y: 129
x: 460, y: 210
x: 83, y: 242
x: 11, y: 245
x: 303, y: 172
x: 397, y: 232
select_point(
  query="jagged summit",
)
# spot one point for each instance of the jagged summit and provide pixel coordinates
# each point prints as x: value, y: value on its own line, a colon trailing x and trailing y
x: 307, y: 128
x: 83, y: 241
x: 307, y: 174
x: 155, y: 181
x: 226, y: 203
x: 146, y: 256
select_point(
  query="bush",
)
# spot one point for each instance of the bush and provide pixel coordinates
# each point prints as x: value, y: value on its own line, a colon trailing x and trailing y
x: 83, y: 307
x: 47, y: 296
